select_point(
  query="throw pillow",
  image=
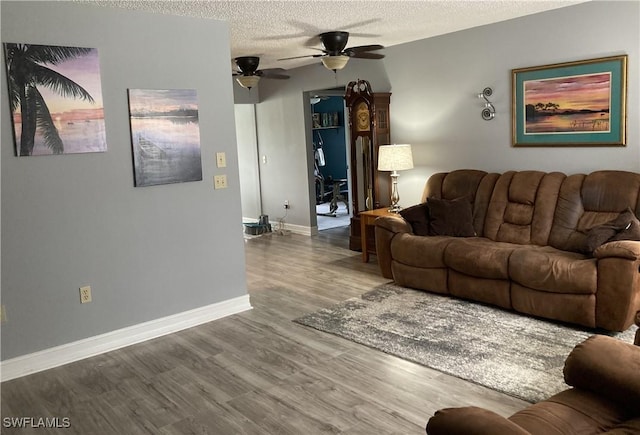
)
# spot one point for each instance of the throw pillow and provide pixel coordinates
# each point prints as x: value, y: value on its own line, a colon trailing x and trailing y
x: 418, y: 218
x: 451, y: 217
x: 625, y: 227
x: 631, y: 230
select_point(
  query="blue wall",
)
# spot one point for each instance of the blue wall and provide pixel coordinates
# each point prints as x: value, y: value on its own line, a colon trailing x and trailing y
x: 334, y: 145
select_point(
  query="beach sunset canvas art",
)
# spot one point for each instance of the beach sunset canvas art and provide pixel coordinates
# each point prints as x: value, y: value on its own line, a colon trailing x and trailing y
x: 56, y: 99
x: 568, y: 104
x: 165, y: 136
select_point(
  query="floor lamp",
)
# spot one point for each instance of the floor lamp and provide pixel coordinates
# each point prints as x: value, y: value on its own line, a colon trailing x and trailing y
x: 395, y: 158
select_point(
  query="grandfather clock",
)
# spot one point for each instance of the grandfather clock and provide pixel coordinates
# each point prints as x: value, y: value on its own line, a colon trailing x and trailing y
x: 369, y: 128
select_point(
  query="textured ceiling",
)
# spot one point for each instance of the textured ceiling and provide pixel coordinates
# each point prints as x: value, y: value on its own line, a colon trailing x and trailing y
x: 278, y: 29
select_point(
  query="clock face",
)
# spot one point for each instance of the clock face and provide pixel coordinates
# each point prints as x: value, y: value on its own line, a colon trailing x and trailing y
x: 362, y: 118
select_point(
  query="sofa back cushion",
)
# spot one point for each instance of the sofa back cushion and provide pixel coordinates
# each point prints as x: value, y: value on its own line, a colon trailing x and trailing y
x: 522, y: 207
x: 474, y: 184
x: 587, y: 201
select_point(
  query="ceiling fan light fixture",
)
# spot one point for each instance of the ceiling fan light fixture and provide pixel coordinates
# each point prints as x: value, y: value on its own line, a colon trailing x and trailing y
x: 248, y: 81
x: 335, y: 62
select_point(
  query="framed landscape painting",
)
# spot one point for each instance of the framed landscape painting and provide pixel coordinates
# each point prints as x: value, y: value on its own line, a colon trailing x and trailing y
x: 165, y: 136
x: 55, y: 98
x: 580, y: 103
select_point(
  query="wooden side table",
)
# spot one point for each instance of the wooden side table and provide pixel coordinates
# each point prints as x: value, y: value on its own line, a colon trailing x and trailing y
x: 367, y: 218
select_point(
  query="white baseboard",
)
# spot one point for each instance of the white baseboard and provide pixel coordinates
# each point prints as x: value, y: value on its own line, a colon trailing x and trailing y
x: 295, y: 229
x: 77, y: 350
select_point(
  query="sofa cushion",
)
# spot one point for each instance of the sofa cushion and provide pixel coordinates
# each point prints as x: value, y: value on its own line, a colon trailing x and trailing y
x: 587, y: 201
x: 451, y: 217
x: 626, y: 427
x: 471, y: 420
x: 570, y: 412
x: 479, y: 257
x: 420, y: 251
x: 522, y: 207
x: 548, y: 269
x: 478, y: 185
x: 418, y: 218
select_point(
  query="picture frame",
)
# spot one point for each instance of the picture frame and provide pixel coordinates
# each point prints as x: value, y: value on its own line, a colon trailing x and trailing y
x: 579, y: 103
x: 165, y: 136
x: 55, y: 95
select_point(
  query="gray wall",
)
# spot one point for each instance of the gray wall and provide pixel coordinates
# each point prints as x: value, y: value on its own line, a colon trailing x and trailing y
x: 434, y: 107
x: 75, y: 220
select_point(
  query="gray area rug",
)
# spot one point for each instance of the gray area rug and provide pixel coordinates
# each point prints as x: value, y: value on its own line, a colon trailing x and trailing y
x: 508, y: 352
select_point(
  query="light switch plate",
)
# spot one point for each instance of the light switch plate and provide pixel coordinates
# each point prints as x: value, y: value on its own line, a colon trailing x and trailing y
x: 221, y: 160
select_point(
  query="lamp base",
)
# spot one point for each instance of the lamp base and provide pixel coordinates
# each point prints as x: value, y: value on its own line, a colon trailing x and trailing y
x: 395, y: 196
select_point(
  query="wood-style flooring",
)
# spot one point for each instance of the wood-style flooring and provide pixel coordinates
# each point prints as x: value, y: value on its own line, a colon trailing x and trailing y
x: 256, y: 372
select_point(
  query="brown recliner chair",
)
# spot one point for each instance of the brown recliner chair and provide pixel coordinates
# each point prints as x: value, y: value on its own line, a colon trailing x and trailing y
x: 605, y: 399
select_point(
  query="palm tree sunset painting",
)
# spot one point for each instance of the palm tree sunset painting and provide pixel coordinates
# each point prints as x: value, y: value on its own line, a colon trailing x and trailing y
x: 165, y: 136
x: 56, y: 99
x: 571, y: 104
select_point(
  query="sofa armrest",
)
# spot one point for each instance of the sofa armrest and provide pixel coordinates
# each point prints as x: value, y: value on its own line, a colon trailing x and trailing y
x: 471, y: 420
x: 606, y: 366
x: 394, y: 224
x: 627, y: 249
x: 386, y: 227
x: 618, y: 295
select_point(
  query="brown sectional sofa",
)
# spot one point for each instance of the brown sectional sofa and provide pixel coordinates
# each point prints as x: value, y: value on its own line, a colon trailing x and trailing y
x: 529, y: 252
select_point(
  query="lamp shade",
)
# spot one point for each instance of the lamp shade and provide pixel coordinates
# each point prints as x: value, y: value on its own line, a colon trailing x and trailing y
x: 335, y: 62
x: 395, y: 157
x: 248, y: 81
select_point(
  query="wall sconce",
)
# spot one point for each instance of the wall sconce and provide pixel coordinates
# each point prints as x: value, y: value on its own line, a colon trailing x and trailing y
x: 489, y: 111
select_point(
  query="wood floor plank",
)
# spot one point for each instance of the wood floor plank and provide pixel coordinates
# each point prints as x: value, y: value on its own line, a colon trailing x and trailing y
x: 257, y: 371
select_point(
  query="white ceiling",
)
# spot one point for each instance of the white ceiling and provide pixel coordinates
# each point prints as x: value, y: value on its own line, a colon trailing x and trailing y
x: 278, y: 29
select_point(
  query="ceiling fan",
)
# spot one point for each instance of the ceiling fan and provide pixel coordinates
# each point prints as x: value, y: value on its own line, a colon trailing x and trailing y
x: 248, y: 75
x: 335, y: 56
x: 315, y: 99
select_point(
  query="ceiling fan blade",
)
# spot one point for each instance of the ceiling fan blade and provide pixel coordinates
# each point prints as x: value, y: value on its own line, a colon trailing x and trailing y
x: 275, y: 76
x: 361, y: 48
x: 364, y: 35
x: 365, y: 55
x: 362, y: 23
x: 272, y: 75
x: 300, y: 57
x: 274, y: 70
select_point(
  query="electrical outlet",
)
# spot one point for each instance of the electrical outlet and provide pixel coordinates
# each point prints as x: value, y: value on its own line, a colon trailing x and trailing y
x: 3, y: 314
x: 286, y: 204
x: 220, y: 182
x: 85, y: 294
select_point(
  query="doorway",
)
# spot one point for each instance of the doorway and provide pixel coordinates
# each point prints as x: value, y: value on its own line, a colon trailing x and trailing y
x: 331, y: 169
